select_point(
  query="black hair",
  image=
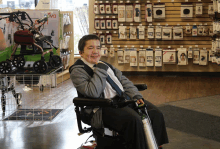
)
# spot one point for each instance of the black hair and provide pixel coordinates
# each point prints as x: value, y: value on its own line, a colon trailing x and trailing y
x: 82, y: 41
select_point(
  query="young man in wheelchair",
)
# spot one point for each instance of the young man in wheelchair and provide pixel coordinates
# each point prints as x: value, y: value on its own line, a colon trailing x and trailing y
x: 126, y: 121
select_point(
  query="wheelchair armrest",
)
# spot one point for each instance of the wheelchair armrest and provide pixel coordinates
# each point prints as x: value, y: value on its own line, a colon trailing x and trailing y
x: 92, y: 102
x: 141, y: 87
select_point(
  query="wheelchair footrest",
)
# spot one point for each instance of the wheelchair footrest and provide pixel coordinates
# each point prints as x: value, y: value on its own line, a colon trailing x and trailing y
x: 109, y: 142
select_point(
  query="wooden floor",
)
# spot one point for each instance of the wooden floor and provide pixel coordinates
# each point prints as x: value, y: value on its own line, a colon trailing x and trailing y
x: 160, y: 90
x: 172, y: 88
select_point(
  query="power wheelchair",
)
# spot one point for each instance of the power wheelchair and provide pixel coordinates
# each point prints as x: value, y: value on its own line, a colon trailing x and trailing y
x: 103, y: 142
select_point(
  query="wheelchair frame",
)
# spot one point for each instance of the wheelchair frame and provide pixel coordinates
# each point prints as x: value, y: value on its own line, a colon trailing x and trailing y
x: 82, y: 102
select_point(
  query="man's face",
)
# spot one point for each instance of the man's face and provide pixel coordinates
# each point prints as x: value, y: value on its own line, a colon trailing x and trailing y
x: 91, y: 51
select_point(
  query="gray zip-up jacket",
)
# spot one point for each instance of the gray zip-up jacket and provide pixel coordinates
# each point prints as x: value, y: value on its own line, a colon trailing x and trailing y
x: 94, y: 86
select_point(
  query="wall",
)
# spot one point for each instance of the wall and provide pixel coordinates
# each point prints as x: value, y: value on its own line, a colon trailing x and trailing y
x: 172, y: 18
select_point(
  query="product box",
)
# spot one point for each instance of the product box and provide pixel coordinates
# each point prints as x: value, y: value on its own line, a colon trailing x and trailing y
x: 158, y: 57
x: 121, y: 13
x: 126, y: 55
x: 159, y: 10
x: 133, y: 34
x: 148, y: 12
x: 182, y: 56
x: 150, y: 32
x: 203, y: 57
x: 122, y: 32
x: 169, y: 56
x: 120, y: 54
x: 137, y: 12
x: 150, y: 57
x: 141, y: 32
x: 142, y: 58
x: 115, y: 7
x: 196, y: 56
x: 158, y: 32
x: 187, y: 10
x: 178, y: 33
x: 198, y: 9
x: 129, y: 12
x: 167, y: 33
x: 133, y: 57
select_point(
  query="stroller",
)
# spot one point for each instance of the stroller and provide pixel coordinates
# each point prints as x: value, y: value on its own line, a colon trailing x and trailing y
x: 6, y: 86
x: 29, y: 35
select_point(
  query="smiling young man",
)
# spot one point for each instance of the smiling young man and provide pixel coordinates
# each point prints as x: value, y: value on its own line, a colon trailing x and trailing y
x: 89, y: 76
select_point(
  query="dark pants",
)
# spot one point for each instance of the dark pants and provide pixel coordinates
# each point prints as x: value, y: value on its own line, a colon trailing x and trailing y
x: 128, y: 123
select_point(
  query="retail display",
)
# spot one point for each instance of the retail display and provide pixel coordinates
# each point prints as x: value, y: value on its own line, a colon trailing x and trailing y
x: 115, y: 7
x: 102, y: 7
x: 190, y: 52
x: 66, y: 19
x: 108, y: 23
x: 187, y: 10
x: 205, y: 30
x: 150, y: 56
x: 169, y: 56
x: 121, y: 12
x: 114, y: 23
x: 120, y: 54
x: 166, y: 33
x: 108, y: 37
x: 30, y: 35
x: 203, y: 57
x: 102, y: 23
x: 188, y: 30
x: 133, y: 32
x: 96, y: 8
x: 158, y: 32
x: 133, y: 57
x: 199, y: 8
x: 97, y: 23
x: 112, y: 51
x: 148, y: 12
x: 196, y: 55
x: 150, y: 32
x: 178, y: 33
x: 104, y: 51
x: 211, y: 9
x: 200, y: 30
x: 194, y: 30
x: 65, y: 42
x: 211, y: 30
x: 102, y: 38
x: 141, y: 32
x: 126, y: 55
x: 158, y: 57
x: 137, y: 12
x: 159, y: 10
x: 129, y: 12
x: 182, y: 56
x: 108, y: 7
x: 122, y: 32
x: 142, y: 58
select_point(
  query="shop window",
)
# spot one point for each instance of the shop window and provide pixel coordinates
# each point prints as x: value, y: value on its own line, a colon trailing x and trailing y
x: 81, y: 23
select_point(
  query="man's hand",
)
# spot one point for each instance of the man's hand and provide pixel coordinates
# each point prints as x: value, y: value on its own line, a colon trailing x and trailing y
x: 140, y: 101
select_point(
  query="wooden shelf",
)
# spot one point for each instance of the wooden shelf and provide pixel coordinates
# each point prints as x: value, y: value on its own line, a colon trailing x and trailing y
x: 63, y: 76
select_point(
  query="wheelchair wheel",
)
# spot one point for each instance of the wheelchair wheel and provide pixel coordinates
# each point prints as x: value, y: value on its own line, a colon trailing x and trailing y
x: 18, y: 61
x: 40, y: 66
x: 5, y: 67
x: 55, y: 61
x: 18, y: 98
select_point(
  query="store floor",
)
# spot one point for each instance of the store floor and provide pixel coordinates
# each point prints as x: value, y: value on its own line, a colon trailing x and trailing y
x: 191, y: 122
